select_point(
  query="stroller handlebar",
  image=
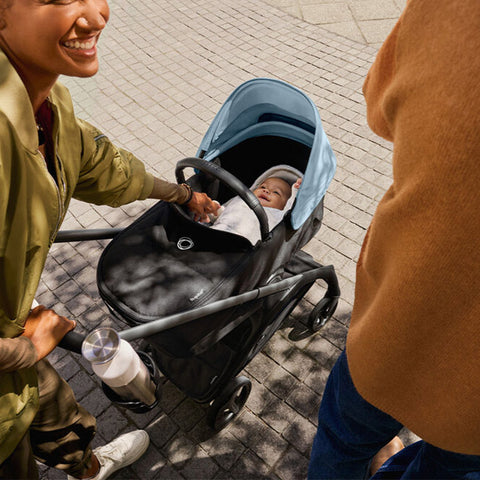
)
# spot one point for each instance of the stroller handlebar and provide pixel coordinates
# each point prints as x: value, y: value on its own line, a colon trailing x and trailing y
x: 73, y: 341
x: 64, y: 236
x: 232, y: 182
x: 326, y: 273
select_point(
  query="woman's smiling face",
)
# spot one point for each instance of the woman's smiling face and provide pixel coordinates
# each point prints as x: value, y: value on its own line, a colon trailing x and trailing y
x: 48, y: 38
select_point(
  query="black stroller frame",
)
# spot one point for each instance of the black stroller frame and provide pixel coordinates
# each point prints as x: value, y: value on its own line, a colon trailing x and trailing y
x: 231, y: 396
x: 275, y: 299
x: 207, y: 301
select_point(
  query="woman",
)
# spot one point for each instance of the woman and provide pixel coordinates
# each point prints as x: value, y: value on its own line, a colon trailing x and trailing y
x: 47, y: 156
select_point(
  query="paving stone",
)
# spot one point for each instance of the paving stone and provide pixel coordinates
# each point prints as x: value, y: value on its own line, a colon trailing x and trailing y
x: 320, y: 349
x: 278, y: 415
x: 318, y: 379
x: 129, y: 474
x: 82, y: 384
x: 375, y: 31
x: 55, y: 276
x: 303, y: 399
x: 67, y: 366
x: 250, y: 466
x: 56, y: 356
x: 179, y: 450
x: 79, y: 304
x: 200, y: 466
x: 187, y: 414
x: 93, y: 317
x: 375, y: 9
x: 299, y: 364
x: 300, y: 433
x: 280, y: 382
x: 260, y: 367
x: 143, y: 420
x: 62, y: 251
x: 261, y: 438
x: 161, y: 430
x: 95, y: 402
x: 223, y: 475
x: 335, y: 332
x: 111, y: 423
x: 171, y: 397
x: 52, y: 474
x: 150, y: 465
x: 292, y: 466
x: 169, y: 473
x: 225, y: 448
x: 259, y: 397
x: 279, y: 350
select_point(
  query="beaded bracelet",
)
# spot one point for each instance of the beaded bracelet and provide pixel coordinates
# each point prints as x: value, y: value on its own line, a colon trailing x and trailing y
x: 190, y: 193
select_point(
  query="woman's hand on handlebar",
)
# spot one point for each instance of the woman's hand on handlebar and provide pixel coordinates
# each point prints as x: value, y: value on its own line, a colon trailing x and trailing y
x: 45, y: 329
x: 201, y: 205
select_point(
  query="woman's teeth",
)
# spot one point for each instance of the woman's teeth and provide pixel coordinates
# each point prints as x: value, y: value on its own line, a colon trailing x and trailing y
x: 82, y: 45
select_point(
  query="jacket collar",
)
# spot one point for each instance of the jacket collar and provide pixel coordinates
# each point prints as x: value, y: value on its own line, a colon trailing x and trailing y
x: 15, y: 104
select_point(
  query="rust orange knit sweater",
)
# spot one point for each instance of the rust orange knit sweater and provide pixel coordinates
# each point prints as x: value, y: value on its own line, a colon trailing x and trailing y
x: 414, y: 341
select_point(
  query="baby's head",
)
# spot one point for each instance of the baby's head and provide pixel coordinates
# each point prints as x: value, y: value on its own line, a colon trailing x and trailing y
x: 273, y: 192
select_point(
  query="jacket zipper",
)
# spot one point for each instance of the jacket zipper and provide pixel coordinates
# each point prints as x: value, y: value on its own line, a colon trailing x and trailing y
x: 61, y: 209
x: 59, y: 198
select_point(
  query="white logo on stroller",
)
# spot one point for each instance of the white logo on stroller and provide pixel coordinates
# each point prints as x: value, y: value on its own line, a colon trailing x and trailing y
x: 192, y: 299
x: 185, y: 243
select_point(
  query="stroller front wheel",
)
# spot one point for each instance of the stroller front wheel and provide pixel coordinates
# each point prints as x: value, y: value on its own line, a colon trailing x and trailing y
x: 322, y: 313
x: 229, y: 403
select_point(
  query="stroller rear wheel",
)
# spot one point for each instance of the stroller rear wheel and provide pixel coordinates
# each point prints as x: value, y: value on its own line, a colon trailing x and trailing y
x: 322, y: 313
x: 229, y: 403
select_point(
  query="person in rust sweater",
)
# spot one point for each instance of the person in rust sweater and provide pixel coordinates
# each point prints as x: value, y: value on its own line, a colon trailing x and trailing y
x: 412, y: 355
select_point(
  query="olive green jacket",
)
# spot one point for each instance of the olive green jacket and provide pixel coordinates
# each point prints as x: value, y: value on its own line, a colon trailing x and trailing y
x: 32, y: 207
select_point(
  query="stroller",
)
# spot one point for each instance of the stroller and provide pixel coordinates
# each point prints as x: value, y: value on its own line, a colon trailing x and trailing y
x: 207, y: 301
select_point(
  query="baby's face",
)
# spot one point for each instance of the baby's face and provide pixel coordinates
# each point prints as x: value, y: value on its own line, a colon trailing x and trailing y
x: 273, y: 192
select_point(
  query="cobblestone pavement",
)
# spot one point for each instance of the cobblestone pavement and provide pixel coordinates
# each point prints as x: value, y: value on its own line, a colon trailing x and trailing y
x: 367, y: 21
x: 166, y: 68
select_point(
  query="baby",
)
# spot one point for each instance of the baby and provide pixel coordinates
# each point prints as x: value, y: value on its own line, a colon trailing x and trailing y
x: 274, y: 193
x: 236, y: 217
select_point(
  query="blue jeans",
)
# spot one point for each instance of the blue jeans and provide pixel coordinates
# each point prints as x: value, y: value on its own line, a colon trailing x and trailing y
x: 351, y: 431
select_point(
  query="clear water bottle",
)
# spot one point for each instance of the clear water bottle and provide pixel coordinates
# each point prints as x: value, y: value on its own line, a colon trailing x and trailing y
x: 115, y: 361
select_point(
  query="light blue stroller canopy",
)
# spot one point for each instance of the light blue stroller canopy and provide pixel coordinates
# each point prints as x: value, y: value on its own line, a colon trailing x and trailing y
x: 262, y: 107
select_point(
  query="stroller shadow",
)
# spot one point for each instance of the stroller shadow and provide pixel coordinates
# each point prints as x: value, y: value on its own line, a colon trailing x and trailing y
x: 297, y: 322
x: 335, y: 329
x: 300, y: 332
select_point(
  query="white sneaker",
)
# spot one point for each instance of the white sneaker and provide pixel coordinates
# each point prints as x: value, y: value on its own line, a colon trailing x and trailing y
x: 120, y: 452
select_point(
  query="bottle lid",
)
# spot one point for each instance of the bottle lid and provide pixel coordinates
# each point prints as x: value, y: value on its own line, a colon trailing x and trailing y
x: 101, y: 345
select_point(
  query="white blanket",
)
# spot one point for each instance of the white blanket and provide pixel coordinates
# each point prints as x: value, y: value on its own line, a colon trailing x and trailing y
x: 236, y: 217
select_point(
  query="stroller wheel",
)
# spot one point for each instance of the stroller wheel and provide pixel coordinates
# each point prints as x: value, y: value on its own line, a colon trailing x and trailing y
x: 322, y: 313
x: 229, y: 403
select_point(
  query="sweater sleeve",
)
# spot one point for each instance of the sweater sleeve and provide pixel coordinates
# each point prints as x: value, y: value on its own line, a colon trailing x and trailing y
x: 377, y: 84
x: 172, y: 192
